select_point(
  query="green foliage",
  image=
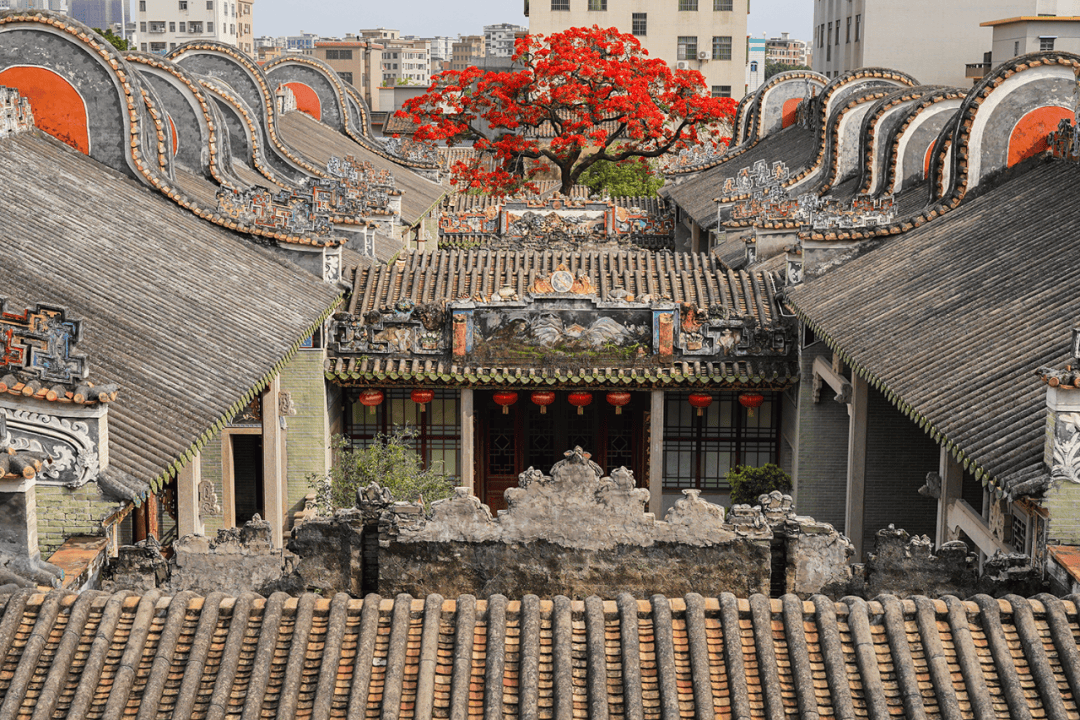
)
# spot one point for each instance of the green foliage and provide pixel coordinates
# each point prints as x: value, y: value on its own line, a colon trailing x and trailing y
x: 390, y: 461
x: 117, y: 42
x: 630, y: 178
x: 774, y: 68
x: 750, y: 483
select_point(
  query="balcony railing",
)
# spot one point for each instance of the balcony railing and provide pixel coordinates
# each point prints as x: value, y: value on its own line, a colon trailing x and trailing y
x: 977, y: 70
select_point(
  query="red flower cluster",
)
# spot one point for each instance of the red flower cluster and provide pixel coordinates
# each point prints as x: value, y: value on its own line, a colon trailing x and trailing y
x: 583, y: 95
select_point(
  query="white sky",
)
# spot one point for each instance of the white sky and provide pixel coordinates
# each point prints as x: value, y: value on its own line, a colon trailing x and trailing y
x: 467, y: 17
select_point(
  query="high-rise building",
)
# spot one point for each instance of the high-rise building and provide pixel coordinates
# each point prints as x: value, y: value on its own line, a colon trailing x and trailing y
x: 61, y: 6
x: 786, y: 50
x: 702, y: 35
x: 164, y: 24
x: 500, y: 38
x: 245, y: 38
x: 98, y: 13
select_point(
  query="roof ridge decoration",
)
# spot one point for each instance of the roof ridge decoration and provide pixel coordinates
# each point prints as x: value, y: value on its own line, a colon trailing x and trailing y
x: 987, y: 120
x: 769, y: 109
x: 16, y: 117
x: 143, y: 137
x: 303, y: 69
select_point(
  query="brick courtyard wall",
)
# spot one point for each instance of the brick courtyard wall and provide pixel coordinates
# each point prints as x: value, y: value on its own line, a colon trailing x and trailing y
x: 63, y: 512
x: 308, y: 435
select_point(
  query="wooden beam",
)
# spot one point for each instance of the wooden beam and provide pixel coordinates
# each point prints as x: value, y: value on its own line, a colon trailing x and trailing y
x: 963, y: 516
x: 952, y: 481
x: 824, y: 371
x: 856, y: 465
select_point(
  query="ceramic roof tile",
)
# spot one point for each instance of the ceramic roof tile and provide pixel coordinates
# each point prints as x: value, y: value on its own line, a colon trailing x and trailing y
x: 94, y: 656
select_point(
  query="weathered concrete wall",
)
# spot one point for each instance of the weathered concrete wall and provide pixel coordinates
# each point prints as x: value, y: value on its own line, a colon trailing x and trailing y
x: 330, y: 552
x: 573, y: 533
x: 815, y: 554
x: 238, y: 560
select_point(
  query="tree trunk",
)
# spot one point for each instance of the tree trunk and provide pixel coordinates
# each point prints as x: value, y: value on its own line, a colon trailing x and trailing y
x: 567, y: 179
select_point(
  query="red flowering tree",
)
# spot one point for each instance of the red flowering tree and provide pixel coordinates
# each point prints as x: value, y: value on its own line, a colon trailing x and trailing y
x: 581, y: 96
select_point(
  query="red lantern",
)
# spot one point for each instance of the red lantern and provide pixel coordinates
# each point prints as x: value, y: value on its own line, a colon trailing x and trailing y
x: 422, y: 397
x: 543, y: 398
x: 618, y: 399
x: 700, y: 401
x: 506, y: 399
x: 580, y: 400
x: 371, y: 398
x: 751, y: 400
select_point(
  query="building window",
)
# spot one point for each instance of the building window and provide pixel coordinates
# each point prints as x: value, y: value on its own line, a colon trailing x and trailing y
x: 232, y: 28
x: 598, y: 5
x: 688, y: 5
x: 142, y: 29
x: 172, y: 26
x: 195, y: 27
x: 848, y: 40
x: 699, y: 450
x: 753, y: 66
x: 1046, y: 44
x: 346, y: 76
x: 209, y: 4
x: 721, y: 47
x: 837, y: 31
x: 828, y: 44
x: 183, y: 26
x: 142, y: 46
x: 722, y: 5
x: 142, y: 5
x: 438, y: 430
x: 560, y: 4
x: 687, y: 47
x: 858, y: 27
x: 334, y: 54
x: 209, y: 28
x: 157, y: 47
x: 1020, y: 533
x: 183, y: 5
x: 639, y: 24
x: 721, y: 91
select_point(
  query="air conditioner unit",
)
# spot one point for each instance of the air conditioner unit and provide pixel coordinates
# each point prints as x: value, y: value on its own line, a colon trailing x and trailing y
x: 682, y: 65
x: 703, y: 55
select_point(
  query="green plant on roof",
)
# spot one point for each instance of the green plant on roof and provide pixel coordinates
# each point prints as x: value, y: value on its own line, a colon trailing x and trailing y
x: 749, y: 483
x: 389, y: 460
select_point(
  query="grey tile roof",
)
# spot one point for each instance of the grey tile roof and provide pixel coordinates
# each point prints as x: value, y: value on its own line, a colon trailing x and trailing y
x: 951, y: 319
x: 795, y: 146
x: 320, y: 142
x: 99, y: 656
x: 186, y: 316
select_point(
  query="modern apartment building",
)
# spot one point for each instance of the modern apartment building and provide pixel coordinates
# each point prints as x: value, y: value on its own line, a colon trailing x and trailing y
x: 467, y: 50
x: 164, y: 24
x: 355, y: 60
x: 704, y: 35
x: 756, y: 52
x: 500, y: 38
x: 61, y: 6
x: 442, y: 47
x: 932, y: 40
x: 245, y: 38
x: 788, y: 51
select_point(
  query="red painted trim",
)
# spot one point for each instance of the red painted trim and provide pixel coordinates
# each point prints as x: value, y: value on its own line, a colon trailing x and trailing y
x: 58, y: 107
x: 790, y: 106
x: 307, y: 100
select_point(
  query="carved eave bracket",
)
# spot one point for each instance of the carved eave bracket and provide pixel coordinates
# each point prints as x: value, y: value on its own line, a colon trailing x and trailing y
x: 826, y: 374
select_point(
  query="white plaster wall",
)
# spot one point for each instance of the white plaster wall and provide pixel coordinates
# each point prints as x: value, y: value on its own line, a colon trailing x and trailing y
x: 665, y: 25
x: 224, y: 15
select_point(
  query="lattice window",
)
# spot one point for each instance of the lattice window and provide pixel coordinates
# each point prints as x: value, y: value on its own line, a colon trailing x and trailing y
x: 438, y: 439
x: 699, y: 450
x: 639, y: 24
x: 721, y: 47
x: 722, y: 5
x: 690, y: 5
x: 687, y: 47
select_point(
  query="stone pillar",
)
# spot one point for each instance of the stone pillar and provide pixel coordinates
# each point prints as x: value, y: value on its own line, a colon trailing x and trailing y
x: 273, y: 449
x: 187, y: 498
x: 952, y: 482
x: 695, y: 238
x: 656, y: 453
x: 856, y: 464
x: 468, y: 441
x: 18, y: 518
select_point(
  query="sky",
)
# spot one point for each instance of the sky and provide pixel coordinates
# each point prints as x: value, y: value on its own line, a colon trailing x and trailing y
x: 428, y: 18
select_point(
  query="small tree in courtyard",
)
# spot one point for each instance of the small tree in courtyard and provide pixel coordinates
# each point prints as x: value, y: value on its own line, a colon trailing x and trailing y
x: 749, y: 483
x: 389, y: 461
x: 593, y: 94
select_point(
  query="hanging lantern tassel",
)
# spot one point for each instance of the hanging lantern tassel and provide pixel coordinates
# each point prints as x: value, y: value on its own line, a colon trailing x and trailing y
x: 506, y: 399
x: 543, y: 398
x: 422, y: 398
x: 750, y: 401
x: 371, y: 398
x: 618, y: 399
x: 580, y: 400
x: 700, y: 401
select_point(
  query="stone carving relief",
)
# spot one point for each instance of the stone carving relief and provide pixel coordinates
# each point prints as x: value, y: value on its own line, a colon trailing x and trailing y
x: 412, y: 151
x: 1066, y: 461
x: 70, y: 444
x: 40, y: 344
x: 208, y: 499
x: 595, y: 513
x: 286, y: 406
x: 404, y: 328
x: 15, y: 113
